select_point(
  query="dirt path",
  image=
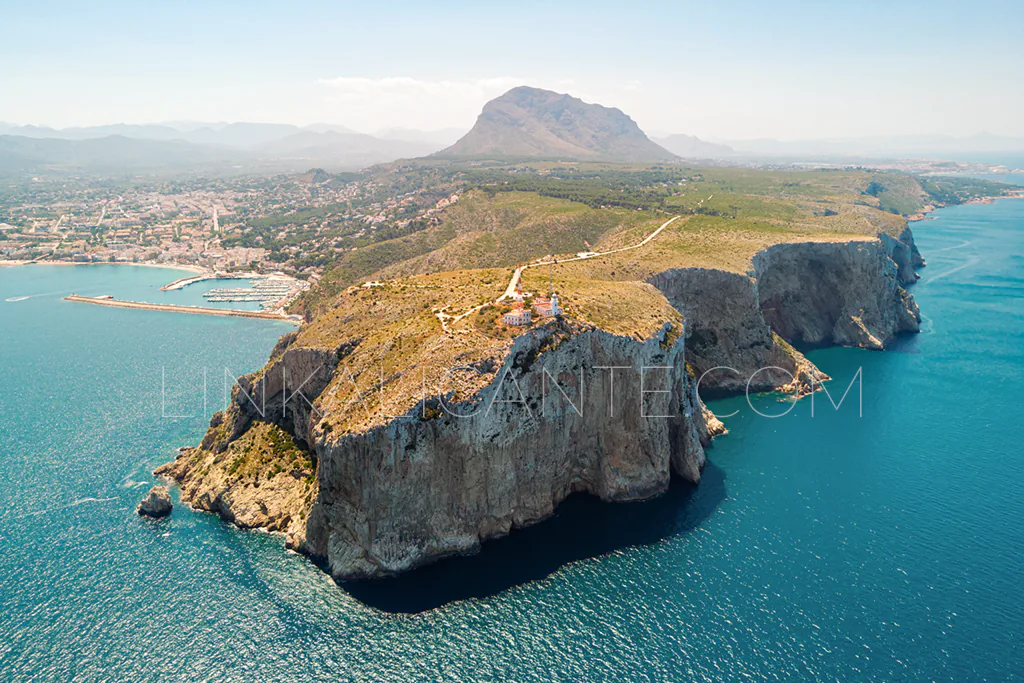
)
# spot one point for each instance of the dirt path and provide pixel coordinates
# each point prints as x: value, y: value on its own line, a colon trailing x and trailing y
x: 517, y: 275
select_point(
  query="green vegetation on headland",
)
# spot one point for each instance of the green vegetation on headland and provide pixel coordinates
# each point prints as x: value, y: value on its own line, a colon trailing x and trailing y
x: 431, y: 301
x: 413, y: 324
x: 317, y: 222
x: 514, y: 213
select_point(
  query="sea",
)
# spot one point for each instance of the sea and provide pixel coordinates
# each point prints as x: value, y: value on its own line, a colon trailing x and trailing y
x: 882, y: 540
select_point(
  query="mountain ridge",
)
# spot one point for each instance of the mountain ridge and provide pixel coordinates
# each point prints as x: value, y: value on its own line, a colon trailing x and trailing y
x: 528, y: 122
x: 692, y: 147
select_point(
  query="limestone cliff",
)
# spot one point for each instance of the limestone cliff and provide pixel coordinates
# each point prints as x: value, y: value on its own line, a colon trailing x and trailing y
x: 740, y: 328
x: 728, y: 343
x: 567, y: 410
x: 904, y: 253
x: 418, y: 488
x: 834, y: 293
x: 305, y: 451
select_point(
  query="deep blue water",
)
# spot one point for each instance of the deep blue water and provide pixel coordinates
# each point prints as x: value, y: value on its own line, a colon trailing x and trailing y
x: 881, y: 546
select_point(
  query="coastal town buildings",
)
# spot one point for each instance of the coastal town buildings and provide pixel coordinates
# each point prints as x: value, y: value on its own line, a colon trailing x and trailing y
x: 298, y: 224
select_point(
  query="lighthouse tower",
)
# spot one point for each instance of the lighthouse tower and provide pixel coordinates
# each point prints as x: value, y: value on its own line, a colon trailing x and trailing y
x: 555, y: 310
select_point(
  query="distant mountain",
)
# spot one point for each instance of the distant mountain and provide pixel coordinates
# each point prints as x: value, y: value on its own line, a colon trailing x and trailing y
x: 113, y: 154
x: 144, y: 132
x: 690, y: 147
x: 345, y: 151
x: 328, y: 128
x: 187, y: 126
x: 532, y: 123
x: 241, y: 135
x: 238, y: 135
x: 267, y: 147
x: 439, y: 139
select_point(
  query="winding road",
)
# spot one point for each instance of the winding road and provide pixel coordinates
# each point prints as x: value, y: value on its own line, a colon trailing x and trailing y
x: 518, y: 273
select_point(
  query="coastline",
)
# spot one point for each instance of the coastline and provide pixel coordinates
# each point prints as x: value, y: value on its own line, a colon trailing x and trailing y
x: 46, y: 262
x: 925, y: 213
x: 196, y: 274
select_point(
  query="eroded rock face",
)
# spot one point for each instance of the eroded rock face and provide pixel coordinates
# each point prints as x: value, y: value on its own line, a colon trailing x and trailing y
x: 420, y: 489
x: 834, y: 293
x: 432, y: 484
x: 283, y: 393
x: 157, y: 503
x: 728, y: 343
x: 260, y: 480
x: 904, y: 254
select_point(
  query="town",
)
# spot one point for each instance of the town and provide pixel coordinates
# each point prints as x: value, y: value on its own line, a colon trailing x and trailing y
x: 292, y: 224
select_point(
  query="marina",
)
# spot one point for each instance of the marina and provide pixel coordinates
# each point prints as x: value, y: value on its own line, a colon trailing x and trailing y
x: 270, y: 293
x: 108, y: 300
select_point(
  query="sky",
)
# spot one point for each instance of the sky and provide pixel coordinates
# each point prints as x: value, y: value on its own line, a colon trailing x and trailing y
x: 723, y: 71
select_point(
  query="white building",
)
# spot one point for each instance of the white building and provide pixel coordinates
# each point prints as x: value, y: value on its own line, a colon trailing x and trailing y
x: 517, y: 317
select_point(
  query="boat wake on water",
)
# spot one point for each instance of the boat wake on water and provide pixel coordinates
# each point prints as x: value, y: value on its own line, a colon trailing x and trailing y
x: 951, y: 271
x: 12, y: 299
x: 129, y: 481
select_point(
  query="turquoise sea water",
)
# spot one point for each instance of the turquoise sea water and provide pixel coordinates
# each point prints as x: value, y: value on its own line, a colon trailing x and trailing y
x: 145, y: 288
x: 886, y: 546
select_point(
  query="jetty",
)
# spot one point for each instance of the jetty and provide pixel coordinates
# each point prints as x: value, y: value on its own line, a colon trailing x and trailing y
x: 108, y: 300
x: 186, y: 281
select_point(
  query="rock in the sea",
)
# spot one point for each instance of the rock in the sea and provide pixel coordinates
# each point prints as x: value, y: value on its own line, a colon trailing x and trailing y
x: 157, y: 503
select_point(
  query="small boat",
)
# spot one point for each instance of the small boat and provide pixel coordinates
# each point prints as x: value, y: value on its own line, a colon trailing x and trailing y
x: 17, y: 298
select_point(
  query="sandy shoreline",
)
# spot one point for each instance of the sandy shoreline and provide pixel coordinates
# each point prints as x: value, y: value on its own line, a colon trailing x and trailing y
x: 166, y: 266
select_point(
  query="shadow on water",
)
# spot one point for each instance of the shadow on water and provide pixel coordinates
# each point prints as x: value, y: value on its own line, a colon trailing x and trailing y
x: 582, y: 527
x: 905, y: 342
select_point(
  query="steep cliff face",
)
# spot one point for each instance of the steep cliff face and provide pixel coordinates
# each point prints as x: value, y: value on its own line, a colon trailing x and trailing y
x: 434, y: 484
x: 565, y: 407
x: 843, y: 293
x: 825, y: 293
x: 283, y: 393
x: 728, y: 343
x: 904, y: 253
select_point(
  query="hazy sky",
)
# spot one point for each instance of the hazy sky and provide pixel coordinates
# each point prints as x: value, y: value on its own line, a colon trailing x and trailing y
x: 720, y: 70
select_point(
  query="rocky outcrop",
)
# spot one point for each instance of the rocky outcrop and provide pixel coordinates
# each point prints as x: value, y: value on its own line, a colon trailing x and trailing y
x: 566, y: 408
x: 904, y: 254
x: 728, y: 343
x: 283, y: 393
x: 157, y: 503
x: 261, y: 480
x: 254, y: 467
x: 442, y: 480
x: 834, y: 293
